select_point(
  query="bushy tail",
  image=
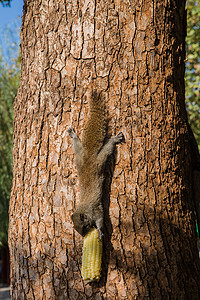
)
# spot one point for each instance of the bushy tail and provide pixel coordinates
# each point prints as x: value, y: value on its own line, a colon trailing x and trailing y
x: 95, y: 129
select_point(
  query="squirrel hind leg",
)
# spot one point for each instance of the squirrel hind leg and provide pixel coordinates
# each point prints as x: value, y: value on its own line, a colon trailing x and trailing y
x: 108, y: 148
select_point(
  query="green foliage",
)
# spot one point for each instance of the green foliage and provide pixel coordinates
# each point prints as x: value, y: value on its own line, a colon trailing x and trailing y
x: 10, y: 65
x: 192, y: 75
x: 9, y: 82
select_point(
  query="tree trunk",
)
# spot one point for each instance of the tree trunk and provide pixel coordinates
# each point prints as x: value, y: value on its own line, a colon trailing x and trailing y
x: 136, y: 51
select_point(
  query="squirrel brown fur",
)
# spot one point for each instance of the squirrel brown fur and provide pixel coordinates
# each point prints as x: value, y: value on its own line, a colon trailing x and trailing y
x: 91, y: 157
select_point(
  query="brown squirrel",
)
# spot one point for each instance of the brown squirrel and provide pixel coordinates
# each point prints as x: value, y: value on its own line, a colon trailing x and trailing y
x: 91, y: 156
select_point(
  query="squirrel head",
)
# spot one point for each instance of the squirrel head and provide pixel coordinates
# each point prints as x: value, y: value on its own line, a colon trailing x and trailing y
x: 82, y: 222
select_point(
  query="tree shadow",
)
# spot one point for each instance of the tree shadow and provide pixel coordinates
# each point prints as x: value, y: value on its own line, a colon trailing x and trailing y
x: 166, y: 270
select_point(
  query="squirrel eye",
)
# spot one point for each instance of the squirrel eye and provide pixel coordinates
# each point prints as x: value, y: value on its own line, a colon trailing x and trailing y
x: 82, y: 217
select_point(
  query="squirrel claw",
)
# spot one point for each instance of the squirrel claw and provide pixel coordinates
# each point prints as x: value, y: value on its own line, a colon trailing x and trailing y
x: 71, y: 132
x: 100, y: 233
x: 119, y: 138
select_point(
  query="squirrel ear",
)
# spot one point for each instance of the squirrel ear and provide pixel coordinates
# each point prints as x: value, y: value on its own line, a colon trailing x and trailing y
x: 72, y: 217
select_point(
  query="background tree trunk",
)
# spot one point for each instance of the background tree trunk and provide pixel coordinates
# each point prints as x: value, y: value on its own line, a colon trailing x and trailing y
x: 136, y: 50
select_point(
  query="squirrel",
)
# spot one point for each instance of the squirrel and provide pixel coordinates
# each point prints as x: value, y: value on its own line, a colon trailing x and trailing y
x: 91, y: 156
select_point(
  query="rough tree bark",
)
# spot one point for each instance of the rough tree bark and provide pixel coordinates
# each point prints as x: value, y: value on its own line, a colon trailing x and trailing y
x: 136, y: 51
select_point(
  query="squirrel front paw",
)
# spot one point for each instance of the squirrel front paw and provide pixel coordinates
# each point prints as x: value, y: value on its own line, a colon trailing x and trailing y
x: 71, y: 132
x: 100, y: 233
x: 119, y: 138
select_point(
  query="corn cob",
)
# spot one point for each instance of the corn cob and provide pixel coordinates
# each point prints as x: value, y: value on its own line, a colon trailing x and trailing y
x: 91, y: 257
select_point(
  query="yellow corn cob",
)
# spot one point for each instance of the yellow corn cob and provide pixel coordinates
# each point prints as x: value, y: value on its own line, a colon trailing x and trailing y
x: 91, y: 257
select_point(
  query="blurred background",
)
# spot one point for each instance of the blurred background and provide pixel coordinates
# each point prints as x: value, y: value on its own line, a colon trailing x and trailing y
x: 10, y: 61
